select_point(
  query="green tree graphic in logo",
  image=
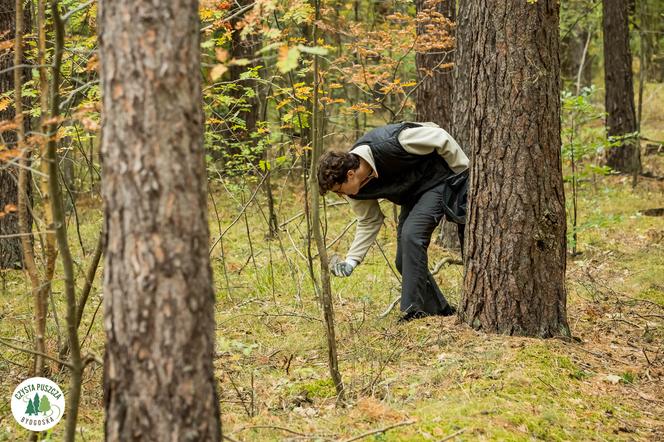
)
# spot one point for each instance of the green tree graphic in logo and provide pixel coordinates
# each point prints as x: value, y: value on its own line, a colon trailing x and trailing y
x: 44, y: 405
x: 31, y: 408
x: 35, y: 403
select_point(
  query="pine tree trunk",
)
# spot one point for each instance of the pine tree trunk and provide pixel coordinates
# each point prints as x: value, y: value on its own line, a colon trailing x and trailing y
x: 433, y: 100
x: 509, y: 76
x: 11, y: 255
x: 619, y: 100
x: 158, y: 295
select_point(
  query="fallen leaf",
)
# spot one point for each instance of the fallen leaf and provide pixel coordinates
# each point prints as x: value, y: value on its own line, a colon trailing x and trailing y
x: 612, y: 378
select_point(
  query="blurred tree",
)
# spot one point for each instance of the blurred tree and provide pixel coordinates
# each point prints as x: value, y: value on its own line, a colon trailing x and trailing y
x: 435, y: 62
x: 619, y: 100
x: 11, y: 255
x: 159, y: 298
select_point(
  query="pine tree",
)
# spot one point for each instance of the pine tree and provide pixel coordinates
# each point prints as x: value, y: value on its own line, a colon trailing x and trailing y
x: 514, y: 281
x: 45, y: 404
x: 154, y: 164
x: 31, y: 409
x: 35, y: 403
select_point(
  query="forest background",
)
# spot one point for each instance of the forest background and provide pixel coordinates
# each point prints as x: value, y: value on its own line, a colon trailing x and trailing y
x: 375, y: 62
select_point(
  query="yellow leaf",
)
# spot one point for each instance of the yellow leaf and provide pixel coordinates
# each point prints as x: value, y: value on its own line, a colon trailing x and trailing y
x: 287, y: 59
x: 218, y: 71
x: 283, y: 103
x: 4, y: 103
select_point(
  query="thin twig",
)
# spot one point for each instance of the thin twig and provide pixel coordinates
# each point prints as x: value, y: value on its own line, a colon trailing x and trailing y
x: 449, y: 260
x: 391, y: 307
x: 453, y: 435
x: 274, y: 427
x: 37, y: 353
x: 301, y: 214
x: 389, y: 264
x: 17, y: 235
x: 237, y: 218
x: 381, y: 430
x: 22, y: 66
x: 76, y: 9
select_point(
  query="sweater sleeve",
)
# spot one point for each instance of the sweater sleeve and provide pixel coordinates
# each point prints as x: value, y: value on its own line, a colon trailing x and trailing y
x: 369, y: 221
x: 423, y: 140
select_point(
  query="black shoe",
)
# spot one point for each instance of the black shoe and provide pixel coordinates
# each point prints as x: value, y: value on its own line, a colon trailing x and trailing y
x: 449, y: 310
x: 407, y: 317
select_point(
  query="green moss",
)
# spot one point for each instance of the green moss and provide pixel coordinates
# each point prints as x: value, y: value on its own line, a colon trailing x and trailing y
x: 316, y: 389
x: 652, y: 294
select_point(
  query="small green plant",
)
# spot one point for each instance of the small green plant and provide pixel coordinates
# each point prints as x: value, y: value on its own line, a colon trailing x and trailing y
x: 583, y: 144
x: 627, y: 377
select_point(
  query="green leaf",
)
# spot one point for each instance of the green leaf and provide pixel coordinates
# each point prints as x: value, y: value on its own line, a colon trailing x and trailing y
x: 288, y: 58
x: 314, y: 50
x: 269, y: 47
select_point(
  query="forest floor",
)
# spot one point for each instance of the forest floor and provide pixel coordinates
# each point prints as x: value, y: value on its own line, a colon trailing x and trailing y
x: 430, y: 379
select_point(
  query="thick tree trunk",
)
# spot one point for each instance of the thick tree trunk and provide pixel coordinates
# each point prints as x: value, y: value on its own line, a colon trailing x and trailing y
x: 435, y: 93
x: 11, y: 256
x: 159, y: 302
x: 435, y: 29
x: 515, y: 238
x: 619, y: 100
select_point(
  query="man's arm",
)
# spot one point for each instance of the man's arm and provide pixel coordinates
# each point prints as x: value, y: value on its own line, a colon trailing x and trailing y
x: 369, y: 221
x: 423, y: 140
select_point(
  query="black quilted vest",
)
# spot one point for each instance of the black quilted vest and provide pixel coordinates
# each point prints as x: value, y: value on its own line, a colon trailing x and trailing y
x: 402, y: 176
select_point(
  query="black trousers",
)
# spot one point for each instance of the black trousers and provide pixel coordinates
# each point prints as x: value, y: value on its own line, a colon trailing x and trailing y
x: 419, y: 290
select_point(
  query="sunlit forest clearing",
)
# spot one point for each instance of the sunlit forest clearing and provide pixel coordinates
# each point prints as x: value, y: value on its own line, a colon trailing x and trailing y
x: 433, y: 378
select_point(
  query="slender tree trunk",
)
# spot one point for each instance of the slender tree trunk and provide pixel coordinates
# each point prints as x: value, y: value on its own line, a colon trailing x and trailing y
x: 325, y: 290
x: 159, y: 379
x: 11, y: 256
x: 39, y: 288
x: 515, y: 238
x: 245, y: 48
x: 619, y: 100
x: 576, y: 63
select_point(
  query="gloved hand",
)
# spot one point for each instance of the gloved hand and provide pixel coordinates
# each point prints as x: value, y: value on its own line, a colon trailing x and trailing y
x: 343, y: 268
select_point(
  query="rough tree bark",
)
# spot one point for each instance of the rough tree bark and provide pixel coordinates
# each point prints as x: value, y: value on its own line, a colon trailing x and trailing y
x: 159, y: 380
x: 619, y: 99
x: 515, y: 238
x: 11, y: 256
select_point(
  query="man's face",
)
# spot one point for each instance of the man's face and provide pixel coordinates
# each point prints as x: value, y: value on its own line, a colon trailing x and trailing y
x: 352, y: 184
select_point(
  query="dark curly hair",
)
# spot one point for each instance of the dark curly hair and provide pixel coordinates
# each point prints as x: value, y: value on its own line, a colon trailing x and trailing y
x: 333, y: 168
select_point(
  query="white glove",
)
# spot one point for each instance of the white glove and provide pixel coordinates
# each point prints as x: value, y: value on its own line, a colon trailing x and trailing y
x: 343, y: 268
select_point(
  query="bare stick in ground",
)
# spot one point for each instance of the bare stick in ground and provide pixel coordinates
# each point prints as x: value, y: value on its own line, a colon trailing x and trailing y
x: 380, y: 430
